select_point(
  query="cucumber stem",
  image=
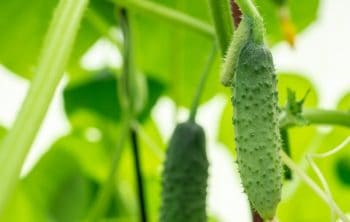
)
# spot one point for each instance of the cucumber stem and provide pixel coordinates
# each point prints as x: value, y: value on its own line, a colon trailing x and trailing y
x: 102, y: 27
x: 54, y: 56
x: 104, y: 194
x: 168, y: 14
x: 201, y: 85
x: 319, y: 116
x: 249, y: 9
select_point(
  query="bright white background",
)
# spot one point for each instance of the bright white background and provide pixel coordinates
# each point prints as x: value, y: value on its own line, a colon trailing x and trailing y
x: 322, y: 54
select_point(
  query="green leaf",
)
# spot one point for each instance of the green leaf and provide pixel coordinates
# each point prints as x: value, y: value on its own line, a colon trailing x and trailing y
x: 63, y: 184
x: 173, y: 54
x: 21, y: 208
x: 98, y: 96
x: 302, y: 13
x: 57, y: 186
x: 24, y: 29
x: 2, y: 132
x: 304, y: 204
x: 344, y: 103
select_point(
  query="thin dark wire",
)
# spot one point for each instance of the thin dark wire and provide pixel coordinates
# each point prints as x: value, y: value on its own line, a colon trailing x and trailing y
x: 140, y: 185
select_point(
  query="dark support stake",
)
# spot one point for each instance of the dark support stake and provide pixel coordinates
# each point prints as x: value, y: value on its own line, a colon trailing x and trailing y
x: 140, y: 186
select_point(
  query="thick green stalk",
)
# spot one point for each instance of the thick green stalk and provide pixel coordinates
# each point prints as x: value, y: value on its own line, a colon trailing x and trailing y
x: 168, y: 14
x: 56, y: 50
x: 223, y: 23
x: 320, y: 116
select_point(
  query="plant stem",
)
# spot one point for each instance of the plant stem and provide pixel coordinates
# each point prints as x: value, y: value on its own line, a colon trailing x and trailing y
x: 140, y: 185
x: 168, y: 14
x: 104, y: 195
x: 333, y: 151
x: 223, y: 23
x: 54, y: 56
x: 125, y: 98
x: 313, y: 186
x: 320, y: 116
x: 129, y: 87
x: 249, y: 9
x: 102, y: 26
x: 201, y: 85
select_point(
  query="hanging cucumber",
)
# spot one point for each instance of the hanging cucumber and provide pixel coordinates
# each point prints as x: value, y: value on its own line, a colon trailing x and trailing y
x: 186, y: 167
x: 185, y: 176
x: 255, y: 121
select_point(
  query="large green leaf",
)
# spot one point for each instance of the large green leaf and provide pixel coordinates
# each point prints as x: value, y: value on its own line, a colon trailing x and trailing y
x: 175, y: 55
x: 302, y: 13
x: 63, y: 184
x: 99, y: 96
x: 21, y: 208
x: 24, y: 26
x: 57, y: 186
x: 304, y: 204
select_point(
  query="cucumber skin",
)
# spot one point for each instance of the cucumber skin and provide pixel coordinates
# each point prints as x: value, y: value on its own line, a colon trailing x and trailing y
x: 185, y: 176
x: 256, y: 128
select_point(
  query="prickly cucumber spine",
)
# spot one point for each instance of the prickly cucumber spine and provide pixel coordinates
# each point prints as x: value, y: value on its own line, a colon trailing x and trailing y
x: 256, y: 128
x: 185, y: 176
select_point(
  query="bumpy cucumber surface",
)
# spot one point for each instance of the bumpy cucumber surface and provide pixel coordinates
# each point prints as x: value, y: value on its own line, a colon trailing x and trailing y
x: 256, y: 128
x: 185, y: 176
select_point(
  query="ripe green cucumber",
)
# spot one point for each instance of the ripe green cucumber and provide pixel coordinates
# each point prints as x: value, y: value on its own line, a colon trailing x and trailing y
x: 185, y: 175
x: 256, y: 127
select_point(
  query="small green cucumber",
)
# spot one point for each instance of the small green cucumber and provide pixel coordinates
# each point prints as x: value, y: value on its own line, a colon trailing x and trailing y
x: 185, y: 175
x: 256, y: 127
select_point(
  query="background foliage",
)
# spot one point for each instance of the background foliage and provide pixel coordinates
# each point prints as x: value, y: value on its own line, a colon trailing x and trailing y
x: 64, y: 183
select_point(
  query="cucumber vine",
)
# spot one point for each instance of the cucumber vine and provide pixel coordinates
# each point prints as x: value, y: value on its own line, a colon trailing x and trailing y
x: 51, y: 66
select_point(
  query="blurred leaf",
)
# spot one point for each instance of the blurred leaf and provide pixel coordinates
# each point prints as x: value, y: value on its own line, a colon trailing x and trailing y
x: 64, y: 182
x: 226, y: 131
x: 344, y: 103
x: 2, y: 132
x: 175, y: 55
x: 24, y: 29
x: 302, y: 13
x: 304, y: 205
x: 99, y: 96
x: 57, y: 186
x: 21, y: 208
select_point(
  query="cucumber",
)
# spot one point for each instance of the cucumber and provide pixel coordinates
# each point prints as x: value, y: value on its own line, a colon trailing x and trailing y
x: 256, y: 127
x: 185, y: 175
